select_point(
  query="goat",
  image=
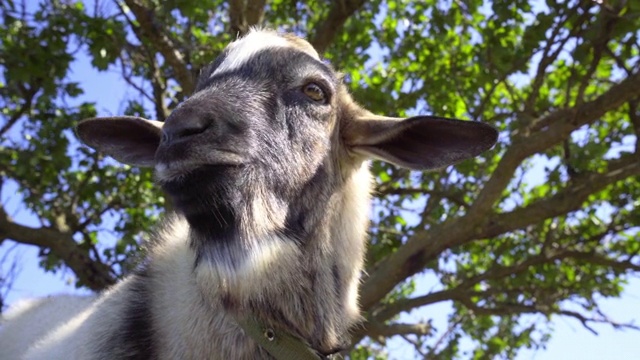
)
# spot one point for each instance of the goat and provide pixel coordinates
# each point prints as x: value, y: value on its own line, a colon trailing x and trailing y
x: 267, y: 167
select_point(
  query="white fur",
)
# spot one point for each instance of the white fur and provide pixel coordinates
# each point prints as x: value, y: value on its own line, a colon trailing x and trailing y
x: 65, y: 327
x: 56, y: 327
x: 353, y: 222
x: 240, y: 51
x: 263, y: 265
x: 29, y: 320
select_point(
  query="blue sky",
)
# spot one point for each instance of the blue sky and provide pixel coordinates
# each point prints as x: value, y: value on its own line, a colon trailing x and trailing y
x: 570, y: 340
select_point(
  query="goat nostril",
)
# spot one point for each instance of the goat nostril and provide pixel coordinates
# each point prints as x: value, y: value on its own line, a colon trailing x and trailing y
x: 185, y: 123
x: 186, y: 132
x: 180, y: 133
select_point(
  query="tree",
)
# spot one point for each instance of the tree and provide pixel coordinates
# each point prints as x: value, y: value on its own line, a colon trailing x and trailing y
x: 545, y: 223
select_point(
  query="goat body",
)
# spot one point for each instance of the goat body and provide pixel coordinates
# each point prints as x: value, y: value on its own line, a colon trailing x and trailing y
x: 266, y: 165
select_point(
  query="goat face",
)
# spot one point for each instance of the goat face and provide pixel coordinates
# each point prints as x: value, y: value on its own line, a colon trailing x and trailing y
x: 255, y: 133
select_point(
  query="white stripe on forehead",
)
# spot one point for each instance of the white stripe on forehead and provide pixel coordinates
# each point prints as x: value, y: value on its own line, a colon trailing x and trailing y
x: 240, y: 51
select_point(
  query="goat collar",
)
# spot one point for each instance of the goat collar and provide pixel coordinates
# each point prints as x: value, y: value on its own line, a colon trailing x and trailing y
x: 281, y: 346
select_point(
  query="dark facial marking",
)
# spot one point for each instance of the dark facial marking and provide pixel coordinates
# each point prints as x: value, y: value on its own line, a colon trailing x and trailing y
x: 314, y: 194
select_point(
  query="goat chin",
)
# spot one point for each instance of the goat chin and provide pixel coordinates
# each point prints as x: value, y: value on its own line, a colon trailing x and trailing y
x: 278, y: 233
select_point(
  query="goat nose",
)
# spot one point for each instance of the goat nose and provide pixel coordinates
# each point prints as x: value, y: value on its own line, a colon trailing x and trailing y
x: 184, y: 124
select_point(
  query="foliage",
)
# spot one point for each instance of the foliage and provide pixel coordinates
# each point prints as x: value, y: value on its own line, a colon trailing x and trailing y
x: 542, y: 224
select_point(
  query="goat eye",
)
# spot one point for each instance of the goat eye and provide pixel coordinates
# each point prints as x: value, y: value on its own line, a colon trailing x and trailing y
x: 315, y: 92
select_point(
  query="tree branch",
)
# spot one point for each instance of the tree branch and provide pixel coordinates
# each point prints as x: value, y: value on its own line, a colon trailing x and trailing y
x: 463, y: 292
x: 543, y: 64
x: 94, y: 274
x: 458, y: 199
x: 608, y: 20
x: 8, y: 274
x: 158, y: 85
x: 333, y: 23
x: 24, y: 107
x: 567, y: 200
x: 128, y: 78
x: 148, y: 31
x: 516, y: 309
x: 406, y: 305
x: 254, y: 11
x: 424, y: 246
x: 546, y: 132
x: 243, y: 14
x: 378, y: 330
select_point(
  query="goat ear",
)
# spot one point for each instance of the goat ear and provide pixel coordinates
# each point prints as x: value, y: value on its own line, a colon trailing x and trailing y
x: 130, y: 140
x: 420, y: 142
